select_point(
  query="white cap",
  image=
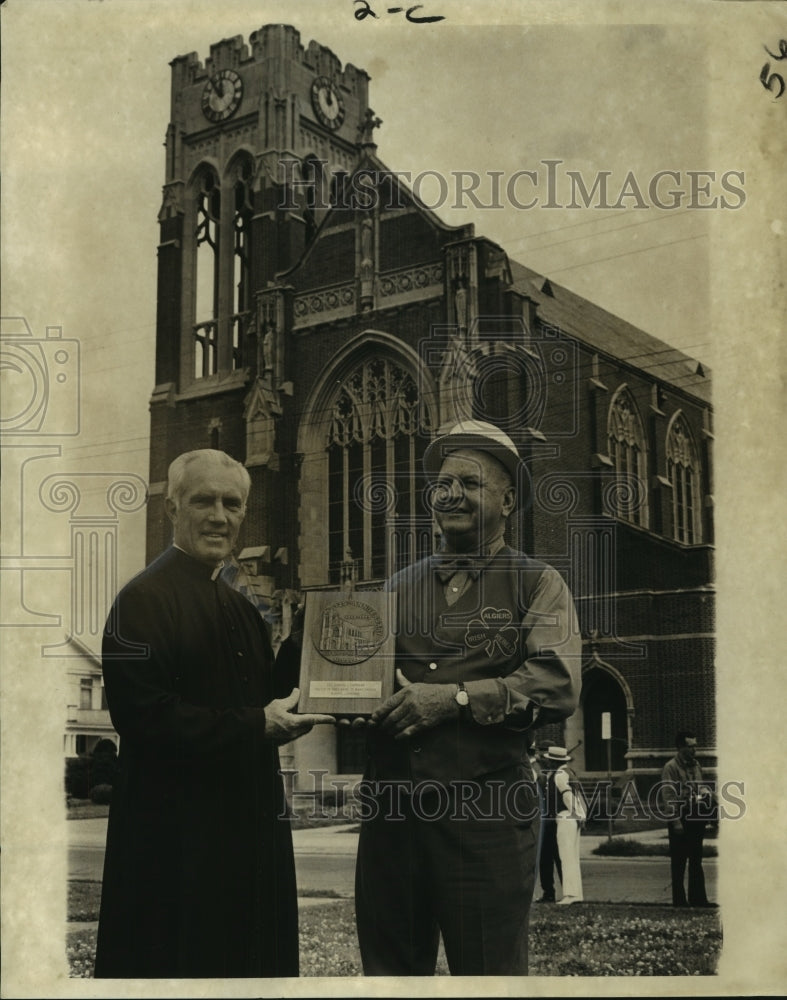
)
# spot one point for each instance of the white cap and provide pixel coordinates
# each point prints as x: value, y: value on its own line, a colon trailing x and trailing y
x: 477, y: 435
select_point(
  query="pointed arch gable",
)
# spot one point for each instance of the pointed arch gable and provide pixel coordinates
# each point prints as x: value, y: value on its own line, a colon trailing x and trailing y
x: 369, y: 341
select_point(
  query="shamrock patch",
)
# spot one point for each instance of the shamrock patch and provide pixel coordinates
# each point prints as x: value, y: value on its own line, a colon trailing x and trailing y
x: 492, y: 629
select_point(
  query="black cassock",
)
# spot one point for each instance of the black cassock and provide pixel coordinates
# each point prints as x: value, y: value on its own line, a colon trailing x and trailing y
x: 199, y: 877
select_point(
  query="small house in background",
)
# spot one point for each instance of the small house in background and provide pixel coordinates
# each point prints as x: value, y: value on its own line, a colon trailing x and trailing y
x: 87, y: 714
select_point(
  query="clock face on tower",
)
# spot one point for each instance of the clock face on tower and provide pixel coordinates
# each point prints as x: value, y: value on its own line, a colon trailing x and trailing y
x: 222, y: 95
x: 328, y: 105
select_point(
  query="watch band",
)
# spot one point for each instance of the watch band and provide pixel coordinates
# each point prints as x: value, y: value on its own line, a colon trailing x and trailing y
x: 463, y: 700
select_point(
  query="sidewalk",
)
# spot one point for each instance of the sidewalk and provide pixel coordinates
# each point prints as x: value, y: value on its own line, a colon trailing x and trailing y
x: 344, y: 840
x: 326, y: 840
x: 86, y: 832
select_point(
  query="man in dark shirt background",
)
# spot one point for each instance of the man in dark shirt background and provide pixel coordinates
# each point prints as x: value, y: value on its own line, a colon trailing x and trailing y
x: 689, y: 804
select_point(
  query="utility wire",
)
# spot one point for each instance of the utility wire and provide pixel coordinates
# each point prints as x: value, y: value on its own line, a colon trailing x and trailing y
x: 589, y: 222
x: 630, y: 253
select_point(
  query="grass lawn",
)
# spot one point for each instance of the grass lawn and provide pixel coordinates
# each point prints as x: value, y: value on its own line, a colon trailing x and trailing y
x: 587, y: 939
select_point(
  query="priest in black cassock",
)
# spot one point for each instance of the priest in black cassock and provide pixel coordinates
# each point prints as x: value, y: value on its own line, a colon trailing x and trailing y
x: 199, y: 877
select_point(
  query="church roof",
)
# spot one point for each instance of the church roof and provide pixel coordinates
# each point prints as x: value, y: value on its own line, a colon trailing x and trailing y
x: 574, y: 315
x: 610, y: 335
x: 587, y: 322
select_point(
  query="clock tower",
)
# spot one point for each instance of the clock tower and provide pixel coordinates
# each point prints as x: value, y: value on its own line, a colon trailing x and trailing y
x: 259, y: 137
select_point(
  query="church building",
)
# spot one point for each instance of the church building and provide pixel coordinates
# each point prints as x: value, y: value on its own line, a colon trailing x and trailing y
x: 321, y: 325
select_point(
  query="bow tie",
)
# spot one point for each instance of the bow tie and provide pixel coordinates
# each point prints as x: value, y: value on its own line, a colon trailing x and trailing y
x: 446, y: 566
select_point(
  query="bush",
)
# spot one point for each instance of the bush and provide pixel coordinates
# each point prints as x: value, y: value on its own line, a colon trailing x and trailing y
x: 628, y: 847
x: 88, y: 770
x: 78, y: 775
x: 105, y: 763
x: 334, y: 798
x: 101, y: 794
x: 328, y: 801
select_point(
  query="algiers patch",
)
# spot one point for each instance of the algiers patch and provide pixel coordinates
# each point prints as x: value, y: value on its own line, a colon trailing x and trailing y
x: 492, y: 630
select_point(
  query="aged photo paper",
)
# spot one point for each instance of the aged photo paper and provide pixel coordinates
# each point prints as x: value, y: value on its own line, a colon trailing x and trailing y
x: 617, y: 88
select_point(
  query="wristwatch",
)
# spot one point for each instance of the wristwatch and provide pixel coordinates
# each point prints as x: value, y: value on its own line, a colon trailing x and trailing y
x: 462, y: 698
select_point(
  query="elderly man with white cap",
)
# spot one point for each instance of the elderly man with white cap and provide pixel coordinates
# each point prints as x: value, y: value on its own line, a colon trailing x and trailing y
x: 488, y: 648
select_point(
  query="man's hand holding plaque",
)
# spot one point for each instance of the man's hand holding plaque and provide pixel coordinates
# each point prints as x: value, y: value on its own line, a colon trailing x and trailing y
x: 415, y: 707
x: 283, y: 724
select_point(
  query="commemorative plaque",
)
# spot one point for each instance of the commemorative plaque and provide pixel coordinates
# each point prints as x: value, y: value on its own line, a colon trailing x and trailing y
x: 347, y: 660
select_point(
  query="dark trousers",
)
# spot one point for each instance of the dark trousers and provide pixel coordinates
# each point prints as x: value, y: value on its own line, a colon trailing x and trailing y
x: 466, y: 877
x: 549, y: 858
x: 683, y: 848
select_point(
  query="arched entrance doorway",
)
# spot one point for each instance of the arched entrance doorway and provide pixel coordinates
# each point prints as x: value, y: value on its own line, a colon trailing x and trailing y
x: 601, y: 692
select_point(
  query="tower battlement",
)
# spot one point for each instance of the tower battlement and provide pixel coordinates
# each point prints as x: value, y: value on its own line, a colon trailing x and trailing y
x: 276, y: 43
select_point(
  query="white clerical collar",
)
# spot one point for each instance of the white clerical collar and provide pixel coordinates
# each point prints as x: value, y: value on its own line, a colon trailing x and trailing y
x: 216, y: 572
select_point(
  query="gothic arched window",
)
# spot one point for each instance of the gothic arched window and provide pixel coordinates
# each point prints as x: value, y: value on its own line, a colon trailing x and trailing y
x: 377, y: 520
x: 626, y: 447
x: 206, y: 305
x: 684, y: 475
x: 241, y: 228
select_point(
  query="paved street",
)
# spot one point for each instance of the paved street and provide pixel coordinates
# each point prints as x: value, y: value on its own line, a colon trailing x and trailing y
x: 325, y: 862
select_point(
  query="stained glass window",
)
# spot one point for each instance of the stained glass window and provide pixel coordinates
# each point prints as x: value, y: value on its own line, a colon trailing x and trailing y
x: 682, y: 472
x: 626, y: 445
x: 377, y: 520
